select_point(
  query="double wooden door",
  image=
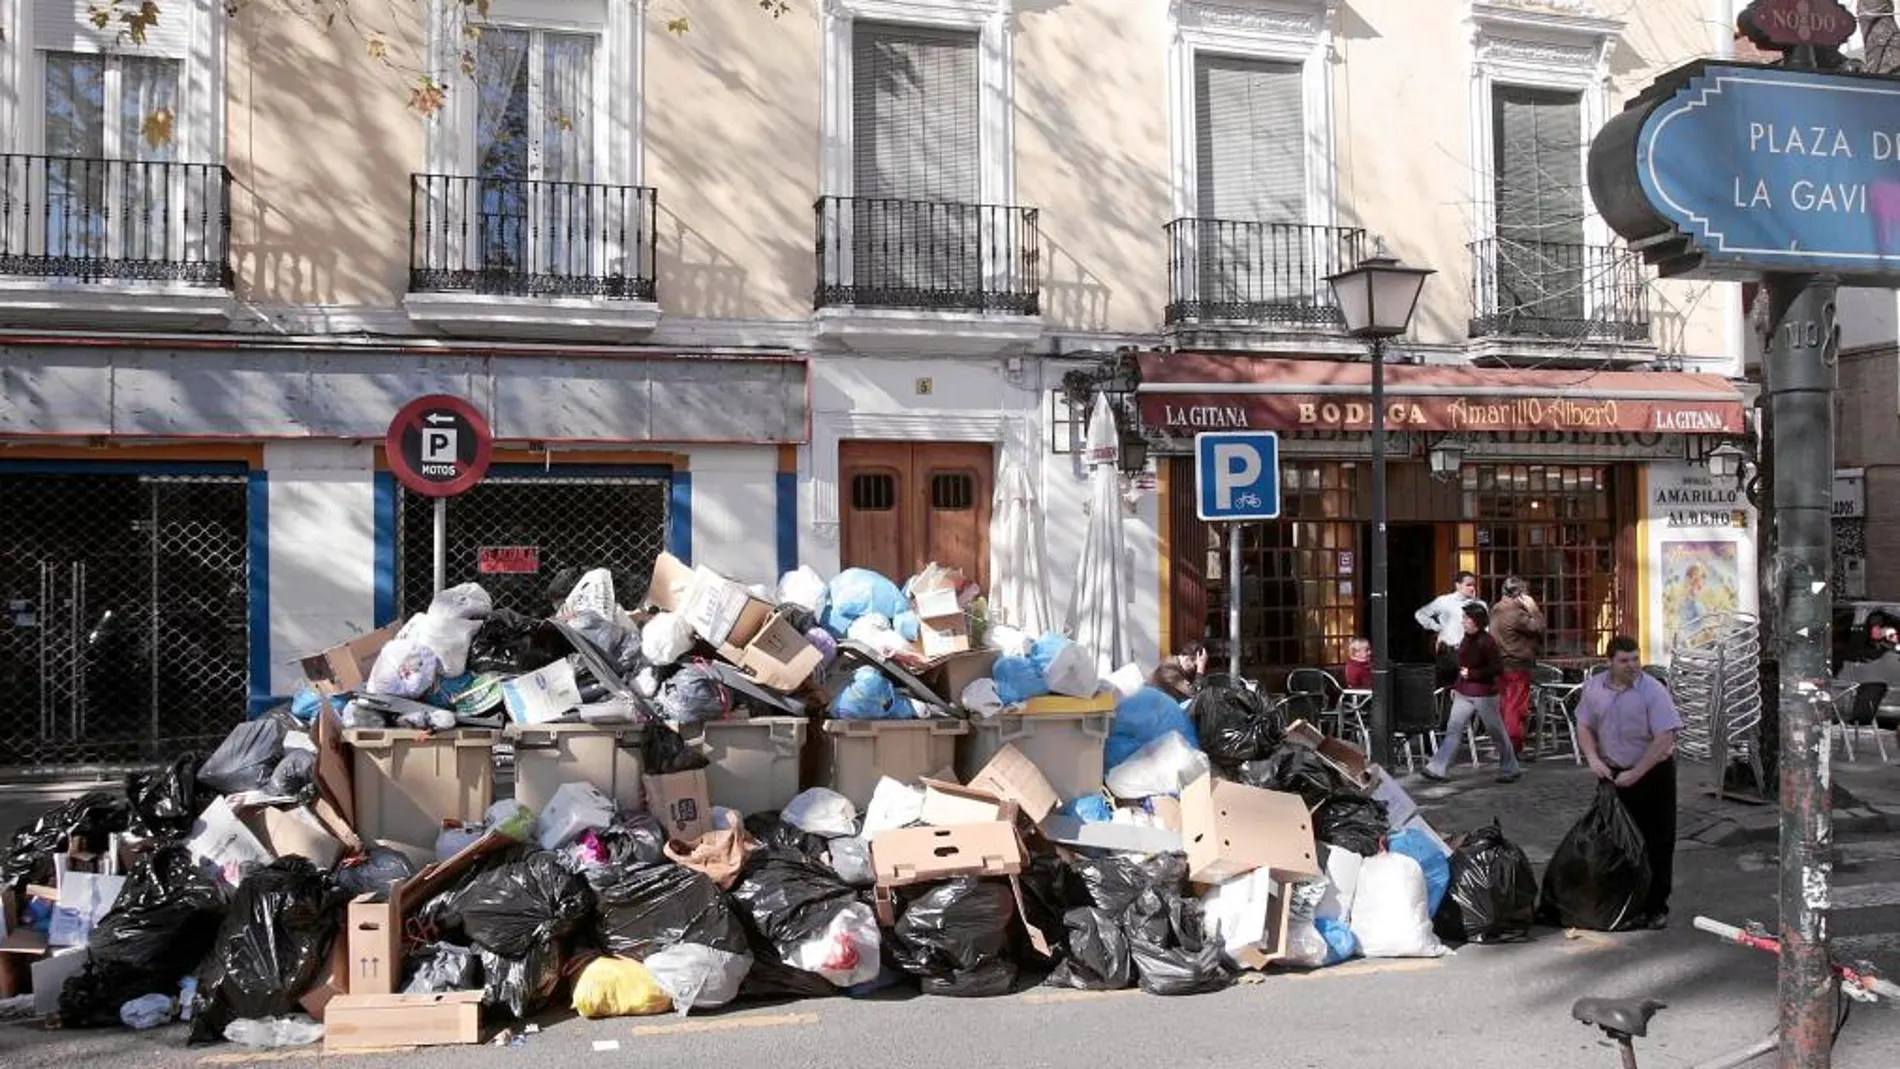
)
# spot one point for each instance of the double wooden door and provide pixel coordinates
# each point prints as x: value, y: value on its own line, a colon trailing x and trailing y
x: 906, y: 504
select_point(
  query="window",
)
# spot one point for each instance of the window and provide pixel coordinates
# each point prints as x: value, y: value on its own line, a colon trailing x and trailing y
x: 1538, y: 142
x: 952, y: 491
x: 873, y: 492
x: 98, y: 111
x: 1250, y: 156
x: 1555, y: 526
x: 534, y: 148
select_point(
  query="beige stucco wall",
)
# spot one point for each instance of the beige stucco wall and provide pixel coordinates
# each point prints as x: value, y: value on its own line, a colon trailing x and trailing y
x: 321, y: 146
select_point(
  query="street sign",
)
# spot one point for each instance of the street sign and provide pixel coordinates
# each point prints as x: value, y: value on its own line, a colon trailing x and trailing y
x: 1237, y: 475
x: 1729, y: 170
x: 438, y: 446
x: 1794, y: 23
x: 508, y: 560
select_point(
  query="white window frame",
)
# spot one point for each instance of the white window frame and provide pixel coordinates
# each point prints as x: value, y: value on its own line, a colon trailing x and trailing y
x: 1280, y: 31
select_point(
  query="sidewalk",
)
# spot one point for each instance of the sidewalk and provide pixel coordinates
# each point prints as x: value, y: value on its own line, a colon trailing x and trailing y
x: 1538, y: 810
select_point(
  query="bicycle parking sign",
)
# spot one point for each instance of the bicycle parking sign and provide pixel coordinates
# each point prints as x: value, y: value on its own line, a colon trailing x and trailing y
x: 1237, y: 476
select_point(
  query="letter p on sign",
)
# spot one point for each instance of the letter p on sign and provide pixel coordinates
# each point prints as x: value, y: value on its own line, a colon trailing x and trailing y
x: 1237, y: 475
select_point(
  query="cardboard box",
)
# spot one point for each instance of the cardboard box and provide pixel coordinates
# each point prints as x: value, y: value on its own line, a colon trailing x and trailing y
x: 346, y: 666
x: 373, y: 933
x: 372, y: 1022
x: 542, y: 696
x: 937, y: 603
x: 947, y: 804
x: 50, y: 975
x: 777, y: 655
x: 1344, y: 758
x: 681, y: 802
x: 220, y: 838
x: 1251, y: 915
x: 672, y: 583
x: 721, y: 611
x: 293, y: 833
x: 1013, y: 777
x: 952, y: 674
x: 1115, y: 836
x: 84, y: 900
x: 1231, y: 829
x: 940, y: 636
x: 334, y: 783
x: 915, y: 855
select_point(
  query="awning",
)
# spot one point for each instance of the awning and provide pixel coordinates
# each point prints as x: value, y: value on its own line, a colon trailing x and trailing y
x: 1186, y: 393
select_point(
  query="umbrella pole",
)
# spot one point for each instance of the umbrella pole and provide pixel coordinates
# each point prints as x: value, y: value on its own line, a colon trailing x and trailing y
x: 1233, y: 600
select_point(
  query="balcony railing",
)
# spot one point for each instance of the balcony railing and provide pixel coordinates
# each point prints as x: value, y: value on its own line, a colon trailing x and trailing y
x: 1234, y: 273
x: 1558, y: 291
x: 516, y: 237
x: 883, y: 252
x: 76, y: 219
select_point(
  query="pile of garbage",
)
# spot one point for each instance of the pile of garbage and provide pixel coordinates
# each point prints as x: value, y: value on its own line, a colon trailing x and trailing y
x: 270, y: 894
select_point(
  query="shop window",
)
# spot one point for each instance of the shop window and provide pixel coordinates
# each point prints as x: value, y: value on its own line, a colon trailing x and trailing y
x: 1553, y: 525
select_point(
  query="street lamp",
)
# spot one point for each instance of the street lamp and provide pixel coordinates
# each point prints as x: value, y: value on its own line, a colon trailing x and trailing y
x: 1447, y: 456
x: 1376, y: 299
x: 1725, y: 462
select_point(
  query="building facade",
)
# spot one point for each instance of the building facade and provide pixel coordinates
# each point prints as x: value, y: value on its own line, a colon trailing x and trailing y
x: 788, y: 290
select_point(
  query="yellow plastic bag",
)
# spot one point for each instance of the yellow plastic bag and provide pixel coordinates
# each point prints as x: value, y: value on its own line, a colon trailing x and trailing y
x: 618, y: 987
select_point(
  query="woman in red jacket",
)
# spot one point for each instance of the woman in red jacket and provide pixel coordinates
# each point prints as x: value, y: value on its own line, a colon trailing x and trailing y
x: 1475, y: 694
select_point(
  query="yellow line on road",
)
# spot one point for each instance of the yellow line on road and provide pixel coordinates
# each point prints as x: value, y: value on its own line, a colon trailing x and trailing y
x: 255, y: 1057
x: 1051, y: 997
x: 779, y: 1020
x: 1371, y: 968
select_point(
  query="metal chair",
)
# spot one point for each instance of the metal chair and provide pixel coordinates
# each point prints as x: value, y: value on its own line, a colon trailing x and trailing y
x: 1345, y: 709
x: 1444, y: 697
x: 1863, y: 711
x: 1415, y: 708
x: 1553, y: 704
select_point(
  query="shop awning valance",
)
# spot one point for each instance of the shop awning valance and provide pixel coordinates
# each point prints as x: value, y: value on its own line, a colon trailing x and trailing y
x: 1185, y: 393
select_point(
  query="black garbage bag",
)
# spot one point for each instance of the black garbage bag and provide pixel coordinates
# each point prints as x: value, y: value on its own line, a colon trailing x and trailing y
x: 93, y: 818
x: 955, y: 938
x: 1049, y: 892
x: 1235, y: 724
x: 442, y: 967
x: 1351, y: 822
x: 791, y: 900
x: 648, y: 908
x: 1599, y: 877
x: 162, y: 925
x: 525, y: 985
x: 633, y: 842
x: 246, y: 758
x: 666, y: 751
x: 798, y: 616
x: 694, y: 694
x: 1095, y: 953
x: 438, y: 916
x: 772, y: 831
x: 375, y: 872
x: 1163, y: 930
x: 165, y: 803
x: 771, y: 980
x: 1493, y: 887
x: 530, y: 903
x: 271, y: 948
x: 294, y: 775
x: 1296, y: 770
x: 512, y: 644
x: 1115, y: 884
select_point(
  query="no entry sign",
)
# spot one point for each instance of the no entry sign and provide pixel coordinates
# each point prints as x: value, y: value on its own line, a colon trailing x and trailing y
x: 438, y: 446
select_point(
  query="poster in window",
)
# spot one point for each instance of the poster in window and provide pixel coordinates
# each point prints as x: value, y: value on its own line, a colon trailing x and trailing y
x: 1699, y: 579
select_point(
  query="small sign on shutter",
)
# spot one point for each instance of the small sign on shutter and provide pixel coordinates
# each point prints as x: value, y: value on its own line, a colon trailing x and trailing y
x: 508, y: 560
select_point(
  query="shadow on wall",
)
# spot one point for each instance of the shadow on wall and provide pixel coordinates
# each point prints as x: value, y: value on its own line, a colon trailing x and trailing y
x: 1071, y: 294
x: 700, y: 280
x: 322, y: 145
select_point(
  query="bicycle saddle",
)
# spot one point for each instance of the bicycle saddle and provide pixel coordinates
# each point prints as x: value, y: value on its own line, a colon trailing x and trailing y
x: 1617, y: 1016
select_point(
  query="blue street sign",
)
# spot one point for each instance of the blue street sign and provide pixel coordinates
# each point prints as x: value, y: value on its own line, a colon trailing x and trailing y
x: 1237, y: 475
x: 1759, y: 169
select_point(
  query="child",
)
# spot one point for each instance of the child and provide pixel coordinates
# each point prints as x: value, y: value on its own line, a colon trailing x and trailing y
x: 1359, y: 665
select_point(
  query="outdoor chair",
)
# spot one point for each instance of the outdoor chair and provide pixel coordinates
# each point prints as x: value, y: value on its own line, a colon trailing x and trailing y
x: 1344, y: 710
x: 1862, y: 704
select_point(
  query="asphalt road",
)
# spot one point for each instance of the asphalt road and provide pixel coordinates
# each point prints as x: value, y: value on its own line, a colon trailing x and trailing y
x: 1486, y: 1008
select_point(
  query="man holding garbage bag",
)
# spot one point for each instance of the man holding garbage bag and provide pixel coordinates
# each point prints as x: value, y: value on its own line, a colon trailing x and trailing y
x: 1627, y: 724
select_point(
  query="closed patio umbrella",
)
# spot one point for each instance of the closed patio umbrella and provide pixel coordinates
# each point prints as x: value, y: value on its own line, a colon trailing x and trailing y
x: 1098, y: 603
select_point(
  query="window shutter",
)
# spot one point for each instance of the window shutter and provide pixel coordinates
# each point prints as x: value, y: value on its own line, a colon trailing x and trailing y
x: 1250, y: 119
x: 1539, y: 259
x: 914, y: 113
x: 67, y: 26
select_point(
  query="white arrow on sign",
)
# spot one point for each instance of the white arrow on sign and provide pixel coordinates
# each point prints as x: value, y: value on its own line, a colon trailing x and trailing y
x: 438, y: 418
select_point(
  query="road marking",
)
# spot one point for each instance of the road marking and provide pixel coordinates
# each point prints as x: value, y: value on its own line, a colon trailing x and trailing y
x: 1863, y: 853
x: 253, y: 1058
x: 1866, y: 896
x: 777, y: 1020
x: 1370, y: 968
x: 1048, y: 998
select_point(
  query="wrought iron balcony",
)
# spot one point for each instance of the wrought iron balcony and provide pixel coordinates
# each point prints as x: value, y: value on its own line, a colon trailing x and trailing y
x: 76, y: 219
x: 1558, y: 291
x: 1225, y: 272
x: 517, y: 237
x: 888, y: 253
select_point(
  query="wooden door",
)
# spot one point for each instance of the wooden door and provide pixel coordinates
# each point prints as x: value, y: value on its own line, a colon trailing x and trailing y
x: 906, y: 504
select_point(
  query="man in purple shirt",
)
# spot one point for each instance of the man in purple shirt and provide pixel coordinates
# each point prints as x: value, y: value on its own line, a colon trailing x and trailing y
x: 1627, y: 724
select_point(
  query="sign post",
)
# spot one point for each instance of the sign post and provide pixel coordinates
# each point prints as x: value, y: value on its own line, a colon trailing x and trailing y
x: 1782, y: 173
x: 438, y: 446
x: 1237, y: 480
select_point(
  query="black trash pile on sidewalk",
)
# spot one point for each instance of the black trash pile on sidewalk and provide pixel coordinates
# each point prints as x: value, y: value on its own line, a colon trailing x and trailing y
x: 720, y: 797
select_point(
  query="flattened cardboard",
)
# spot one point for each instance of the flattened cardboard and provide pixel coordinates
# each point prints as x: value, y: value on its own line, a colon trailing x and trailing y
x: 681, y: 802
x: 937, y: 603
x: 1231, y: 829
x: 1399, y: 806
x: 346, y: 666
x: 672, y: 583
x: 947, y: 804
x: 371, y: 1022
x: 333, y: 767
x: 1013, y: 777
x: 1110, y: 835
x: 293, y: 833
x: 915, y: 855
x: 373, y: 933
x: 50, y: 975
x: 219, y: 837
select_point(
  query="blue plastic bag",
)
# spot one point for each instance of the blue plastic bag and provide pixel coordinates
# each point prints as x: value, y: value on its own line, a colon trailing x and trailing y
x: 870, y: 696
x: 1141, y: 719
x: 306, y: 702
x: 1044, y: 652
x: 1089, y: 809
x: 1017, y: 680
x: 859, y: 592
x: 1341, y: 944
x: 1419, y: 847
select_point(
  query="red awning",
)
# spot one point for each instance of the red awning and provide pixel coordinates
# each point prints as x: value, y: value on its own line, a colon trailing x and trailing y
x: 1192, y: 392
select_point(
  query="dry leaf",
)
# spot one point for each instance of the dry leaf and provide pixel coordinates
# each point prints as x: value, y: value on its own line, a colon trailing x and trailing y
x: 678, y: 26
x: 378, y: 48
x: 427, y: 97
x: 562, y: 121
x: 100, y: 17
x: 157, y: 127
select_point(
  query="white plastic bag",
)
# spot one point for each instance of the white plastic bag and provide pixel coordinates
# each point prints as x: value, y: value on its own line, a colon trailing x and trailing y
x: 802, y: 588
x: 1164, y: 766
x: 1388, y: 910
x: 468, y: 601
x: 980, y: 698
x: 1127, y: 680
x: 575, y: 808
x: 406, y: 668
x: 850, y: 858
x: 147, y: 1011
x: 893, y: 805
x: 1305, y: 947
x: 665, y: 639
x: 820, y: 811
x: 447, y: 636
x: 875, y: 631
x: 1342, y: 881
x: 848, y: 953
x: 293, y: 1031
x: 1008, y: 640
x: 697, y: 977
x: 1235, y: 912
x: 1072, y: 672
x: 451, y: 841
x: 595, y: 591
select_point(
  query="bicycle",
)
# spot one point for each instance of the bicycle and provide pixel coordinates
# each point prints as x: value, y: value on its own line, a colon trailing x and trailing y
x: 1627, y: 1020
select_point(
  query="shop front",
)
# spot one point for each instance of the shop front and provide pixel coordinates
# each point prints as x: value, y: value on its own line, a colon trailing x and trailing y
x: 1499, y: 472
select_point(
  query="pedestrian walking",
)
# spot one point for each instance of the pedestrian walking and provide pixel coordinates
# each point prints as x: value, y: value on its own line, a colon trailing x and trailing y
x: 1627, y: 724
x: 1443, y: 618
x: 1518, y: 624
x: 1475, y: 694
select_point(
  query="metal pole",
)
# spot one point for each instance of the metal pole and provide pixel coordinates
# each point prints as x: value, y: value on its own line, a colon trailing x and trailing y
x: 1800, y: 369
x: 1381, y: 625
x: 1233, y: 600
x: 441, y: 544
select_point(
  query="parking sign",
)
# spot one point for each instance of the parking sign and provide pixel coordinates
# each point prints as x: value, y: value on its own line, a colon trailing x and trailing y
x: 1237, y: 475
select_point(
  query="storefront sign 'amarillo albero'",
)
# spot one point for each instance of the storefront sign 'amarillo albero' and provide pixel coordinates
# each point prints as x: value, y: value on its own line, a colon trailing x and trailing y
x: 1288, y: 412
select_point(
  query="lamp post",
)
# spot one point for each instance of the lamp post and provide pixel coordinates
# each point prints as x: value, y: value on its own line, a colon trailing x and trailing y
x: 1446, y: 457
x: 1377, y: 299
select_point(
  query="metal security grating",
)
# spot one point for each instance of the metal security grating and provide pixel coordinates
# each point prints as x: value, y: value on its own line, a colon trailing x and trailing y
x: 123, y: 617
x: 589, y: 521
